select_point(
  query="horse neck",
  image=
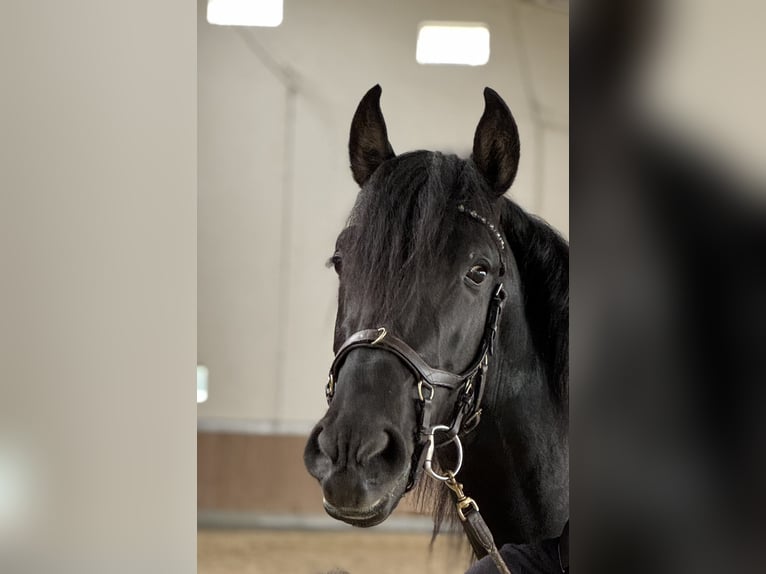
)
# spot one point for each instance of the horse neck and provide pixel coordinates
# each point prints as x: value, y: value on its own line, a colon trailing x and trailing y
x: 517, y: 464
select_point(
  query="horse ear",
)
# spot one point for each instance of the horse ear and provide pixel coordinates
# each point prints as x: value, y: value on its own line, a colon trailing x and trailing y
x: 368, y: 145
x: 496, y: 143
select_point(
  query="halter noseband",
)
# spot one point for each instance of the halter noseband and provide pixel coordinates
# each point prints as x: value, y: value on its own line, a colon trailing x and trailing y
x: 470, y: 383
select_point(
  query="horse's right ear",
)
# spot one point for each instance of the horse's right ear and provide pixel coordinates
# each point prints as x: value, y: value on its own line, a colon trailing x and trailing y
x: 496, y: 143
x: 368, y: 145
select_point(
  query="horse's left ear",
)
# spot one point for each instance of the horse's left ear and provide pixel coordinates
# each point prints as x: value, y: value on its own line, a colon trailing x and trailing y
x: 496, y: 143
x: 368, y: 144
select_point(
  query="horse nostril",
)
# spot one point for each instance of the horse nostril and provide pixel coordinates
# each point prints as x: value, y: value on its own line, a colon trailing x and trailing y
x: 386, y: 447
x: 394, y: 453
x: 372, y: 447
x: 315, y: 456
x: 327, y: 444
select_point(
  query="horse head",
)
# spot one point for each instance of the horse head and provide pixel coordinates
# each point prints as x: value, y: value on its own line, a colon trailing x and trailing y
x: 422, y: 261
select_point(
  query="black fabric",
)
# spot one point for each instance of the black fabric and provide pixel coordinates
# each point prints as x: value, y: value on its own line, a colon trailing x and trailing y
x: 538, y: 558
x: 564, y: 548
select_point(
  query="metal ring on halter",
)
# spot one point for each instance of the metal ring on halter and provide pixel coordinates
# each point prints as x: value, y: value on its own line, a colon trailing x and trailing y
x: 421, y: 384
x: 432, y: 447
x: 381, y: 335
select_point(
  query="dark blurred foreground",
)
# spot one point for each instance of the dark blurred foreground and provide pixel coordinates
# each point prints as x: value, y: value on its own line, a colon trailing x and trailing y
x: 668, y: 241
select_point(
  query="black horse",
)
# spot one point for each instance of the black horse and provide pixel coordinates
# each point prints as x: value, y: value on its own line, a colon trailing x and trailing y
x: 441, y: 274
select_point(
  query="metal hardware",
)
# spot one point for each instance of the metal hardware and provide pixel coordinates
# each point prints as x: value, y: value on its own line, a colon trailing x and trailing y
x: 432, y: 447
x: 383, y: 333
x: 468, y: 389
x: 422, y: 383
x: 461, y: 500
x: 463, y: 504
x: 471, y: 422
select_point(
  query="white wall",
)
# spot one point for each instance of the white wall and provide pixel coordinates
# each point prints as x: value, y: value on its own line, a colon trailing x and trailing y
x: 269, y: 212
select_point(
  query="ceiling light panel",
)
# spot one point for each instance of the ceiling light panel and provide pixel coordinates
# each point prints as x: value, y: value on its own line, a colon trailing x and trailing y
x: 266, y: 13
x: 458, y: 43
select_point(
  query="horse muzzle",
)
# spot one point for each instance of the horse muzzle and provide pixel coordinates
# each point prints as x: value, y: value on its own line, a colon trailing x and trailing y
x: 361, y: 451
x: 363, y: 492
x: 370, y: 514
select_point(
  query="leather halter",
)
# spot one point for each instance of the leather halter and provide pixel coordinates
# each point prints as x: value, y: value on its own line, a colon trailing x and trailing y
x: 470, y: 383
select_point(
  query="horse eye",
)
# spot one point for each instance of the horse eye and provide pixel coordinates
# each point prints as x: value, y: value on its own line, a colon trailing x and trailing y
x: 335, y: 261
x: 477, y: 273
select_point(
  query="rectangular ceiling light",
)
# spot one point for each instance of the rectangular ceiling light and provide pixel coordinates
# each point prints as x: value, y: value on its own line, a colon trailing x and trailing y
x: 462, y: 43
x: 245, y: 12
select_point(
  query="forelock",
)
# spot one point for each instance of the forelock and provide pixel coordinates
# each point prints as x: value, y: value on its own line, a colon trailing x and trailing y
x: 401, y: 224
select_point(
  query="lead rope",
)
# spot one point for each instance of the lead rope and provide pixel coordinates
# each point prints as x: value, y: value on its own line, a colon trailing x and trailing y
x: 476, y: 530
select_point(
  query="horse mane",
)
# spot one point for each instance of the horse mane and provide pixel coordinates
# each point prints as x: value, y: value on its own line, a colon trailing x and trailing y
x: 542, y: 257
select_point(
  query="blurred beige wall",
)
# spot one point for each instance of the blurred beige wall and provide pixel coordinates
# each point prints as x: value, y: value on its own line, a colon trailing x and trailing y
x: 98, y: 207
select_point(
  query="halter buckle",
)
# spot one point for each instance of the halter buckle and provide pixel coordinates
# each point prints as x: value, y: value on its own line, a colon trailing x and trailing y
x: 471, y: 422
x: 329, y: 389
x: 468, y: 388
x: 499, y: 293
